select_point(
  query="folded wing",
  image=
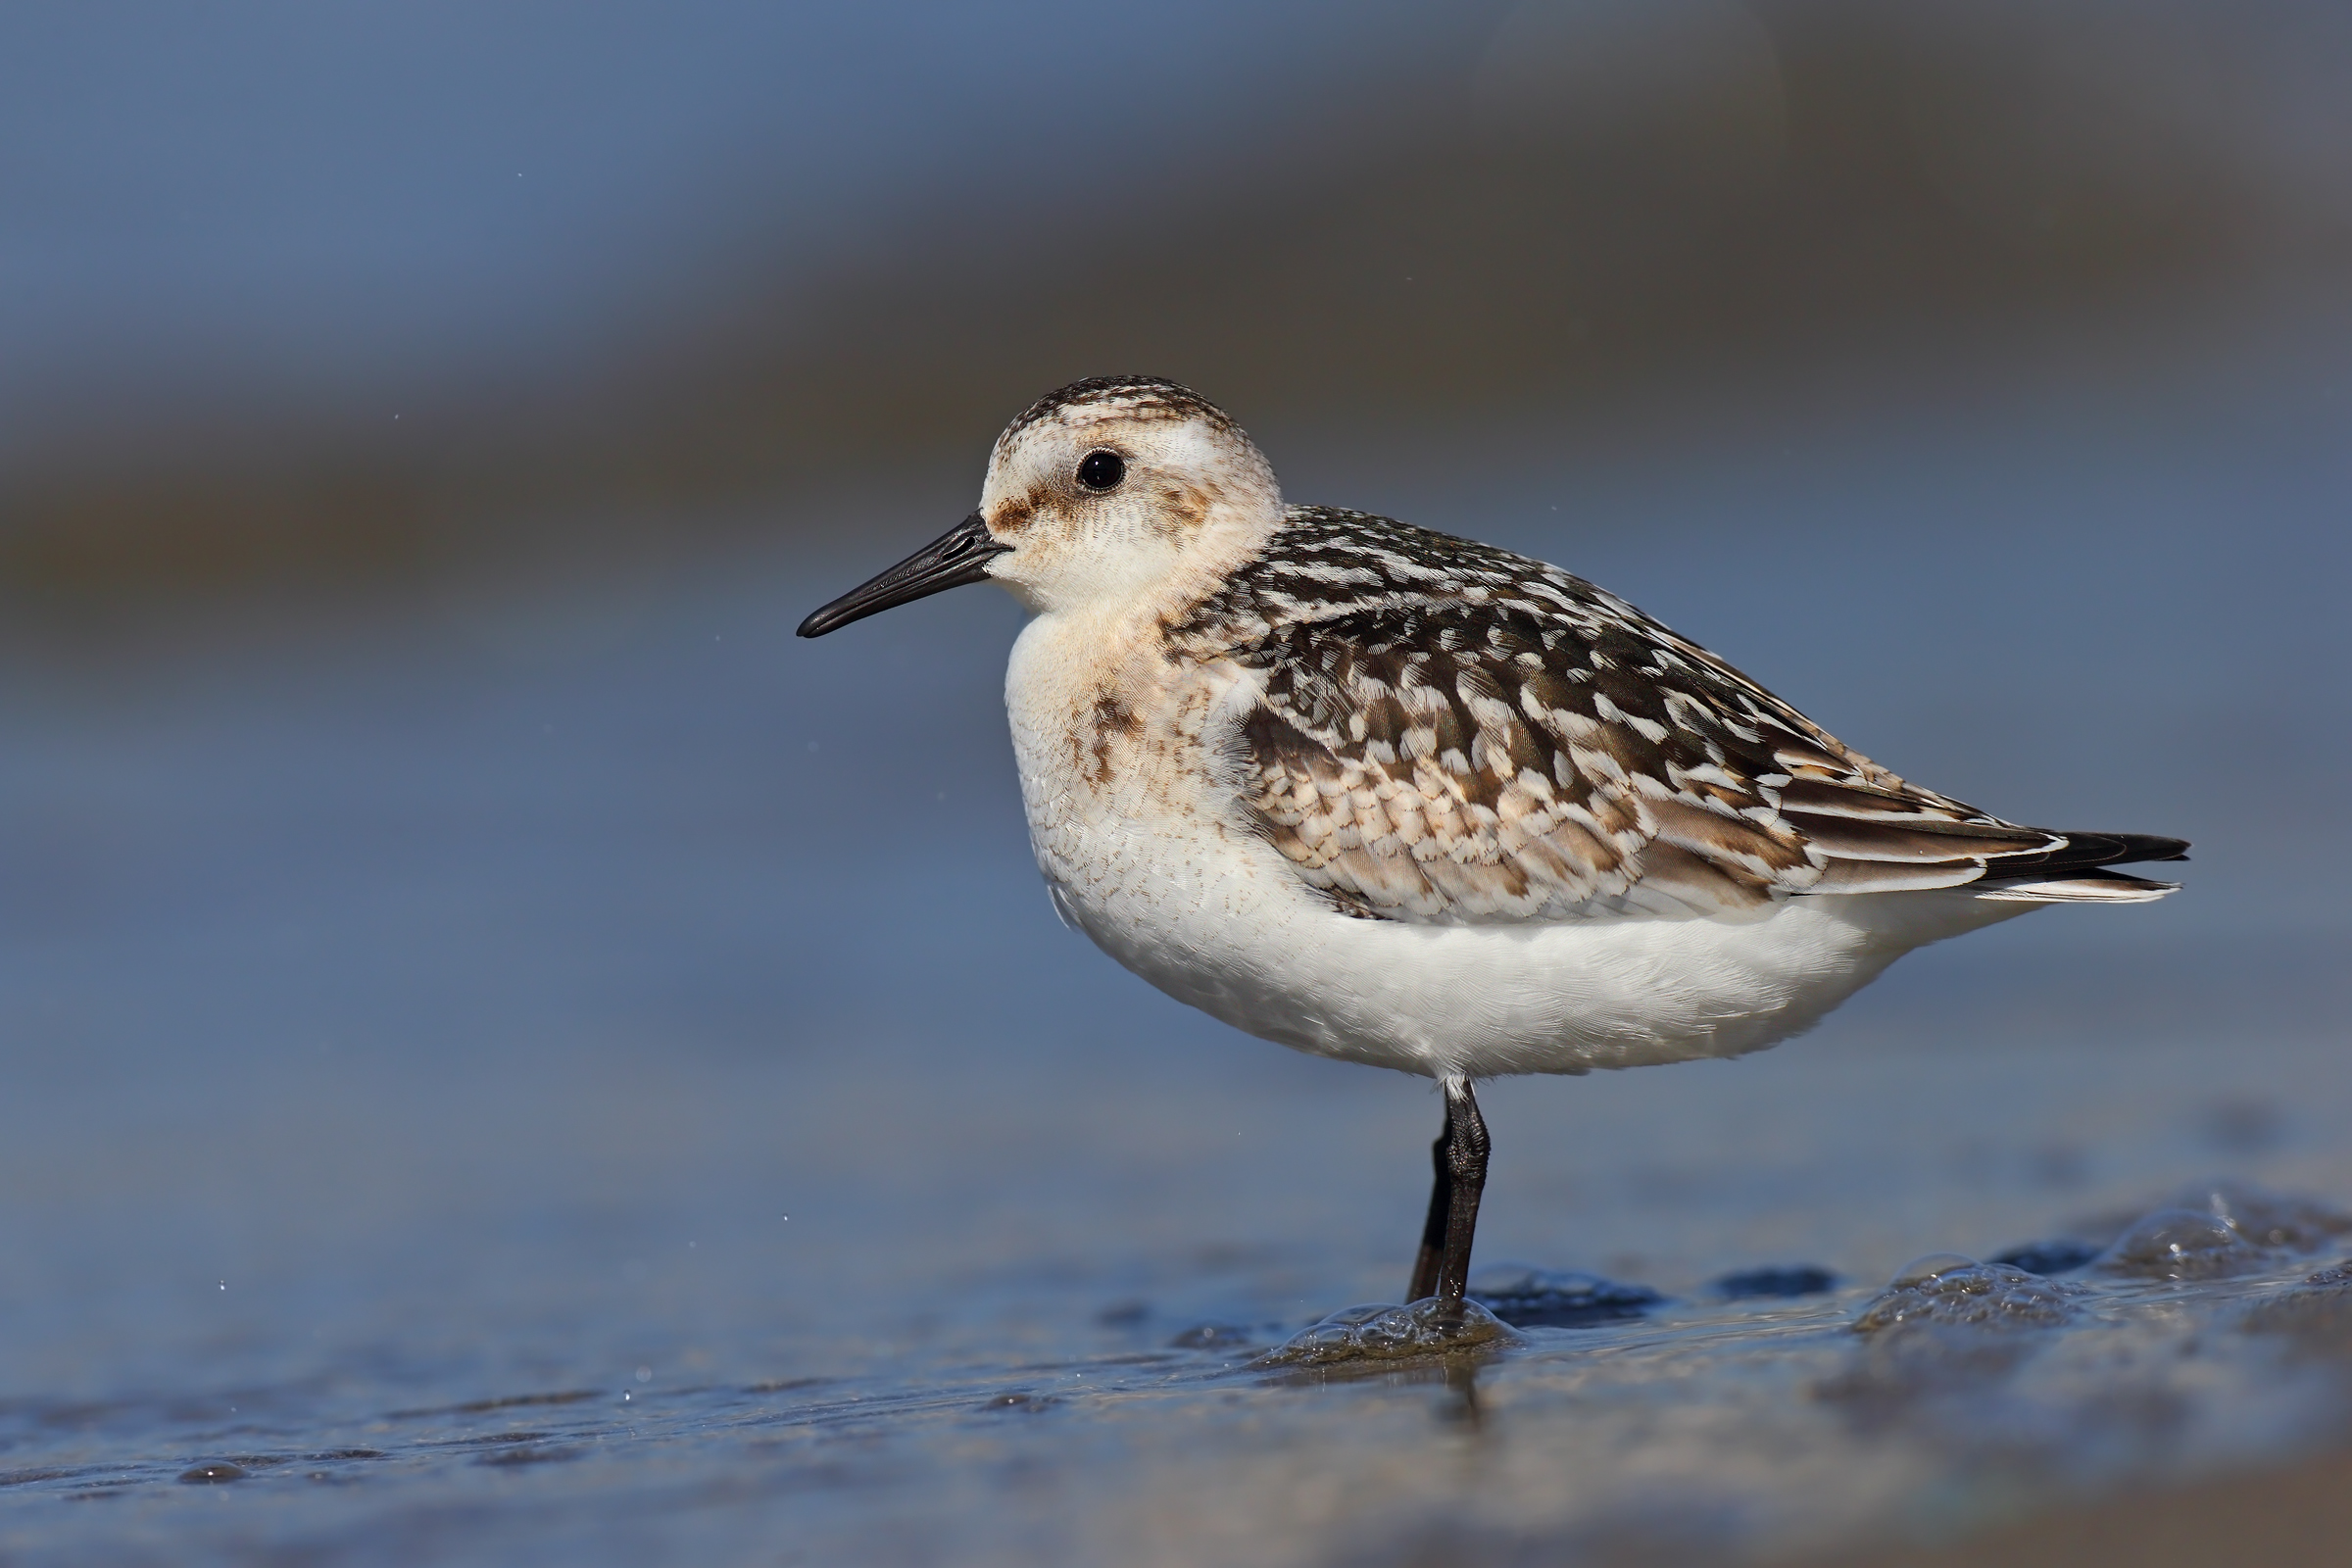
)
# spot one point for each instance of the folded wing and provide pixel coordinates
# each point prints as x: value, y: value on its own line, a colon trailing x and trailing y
x: 1546, y: 753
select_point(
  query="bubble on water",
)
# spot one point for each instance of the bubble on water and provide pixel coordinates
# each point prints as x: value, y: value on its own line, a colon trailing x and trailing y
x: 1379, y: 1332
x: 219, y: 1470
x: 2262, y: 1217
x: 2049, y: 1257
x: 1020, y: 1403
x: 1920, y: 1270
x: 1774, y: 1284
x: 2179, y: 1243
x: 1535, y: 1298
x: 1949, y: 1290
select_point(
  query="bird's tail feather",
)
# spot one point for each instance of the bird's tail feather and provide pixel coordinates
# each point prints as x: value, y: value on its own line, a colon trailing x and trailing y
x: 2089, y: 886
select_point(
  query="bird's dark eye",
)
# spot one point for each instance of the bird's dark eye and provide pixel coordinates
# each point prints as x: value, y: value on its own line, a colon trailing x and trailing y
x: 1101, y: 471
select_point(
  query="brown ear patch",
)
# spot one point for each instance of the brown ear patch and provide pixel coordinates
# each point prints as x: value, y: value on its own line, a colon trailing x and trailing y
x: 1181, y: 507
x: 1014, y: 515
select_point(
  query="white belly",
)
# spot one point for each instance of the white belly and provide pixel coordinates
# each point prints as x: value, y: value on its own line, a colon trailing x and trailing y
x: 1482, y: 1001
x: 1149, y: 859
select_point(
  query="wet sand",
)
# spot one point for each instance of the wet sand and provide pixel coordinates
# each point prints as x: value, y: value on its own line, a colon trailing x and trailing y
x: 2285, y: 1518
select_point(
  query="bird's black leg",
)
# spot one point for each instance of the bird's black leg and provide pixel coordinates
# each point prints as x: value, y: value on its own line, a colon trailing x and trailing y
x: 1433, y: 1230
x: 1459, y: 1155
x: 1466, y: 1150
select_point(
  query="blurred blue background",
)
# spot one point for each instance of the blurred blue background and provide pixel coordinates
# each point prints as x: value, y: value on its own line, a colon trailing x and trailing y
x: 437, y: 895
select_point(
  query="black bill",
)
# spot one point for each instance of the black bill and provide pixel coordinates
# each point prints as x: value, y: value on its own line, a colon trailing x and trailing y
x: 955, y: 558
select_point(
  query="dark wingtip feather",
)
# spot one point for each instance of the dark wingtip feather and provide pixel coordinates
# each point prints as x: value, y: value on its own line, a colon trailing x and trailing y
x: 2087, y: 852
x: 2148, y: 847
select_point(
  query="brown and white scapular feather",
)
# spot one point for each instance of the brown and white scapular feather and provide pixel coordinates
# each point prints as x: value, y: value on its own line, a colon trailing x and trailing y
x: 1447, y: 732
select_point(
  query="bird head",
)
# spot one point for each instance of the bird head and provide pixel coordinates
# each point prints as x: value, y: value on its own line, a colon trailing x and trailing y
x: 1112, y: 492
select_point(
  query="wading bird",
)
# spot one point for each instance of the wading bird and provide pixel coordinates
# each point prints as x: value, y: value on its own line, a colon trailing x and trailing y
x: 1400, y: 799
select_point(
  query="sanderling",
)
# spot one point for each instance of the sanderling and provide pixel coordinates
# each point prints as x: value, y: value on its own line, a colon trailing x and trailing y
x: 1400, y: 799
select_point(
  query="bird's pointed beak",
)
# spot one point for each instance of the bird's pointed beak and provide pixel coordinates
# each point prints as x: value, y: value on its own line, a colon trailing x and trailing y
x: 958, y: 557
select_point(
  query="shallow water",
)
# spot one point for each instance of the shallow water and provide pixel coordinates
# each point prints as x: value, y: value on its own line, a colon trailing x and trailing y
x: 1018, y: 1375
x: 551, y: 1074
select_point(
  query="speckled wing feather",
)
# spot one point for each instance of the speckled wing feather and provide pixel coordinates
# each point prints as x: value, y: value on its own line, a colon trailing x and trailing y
x: 1447, y: 732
